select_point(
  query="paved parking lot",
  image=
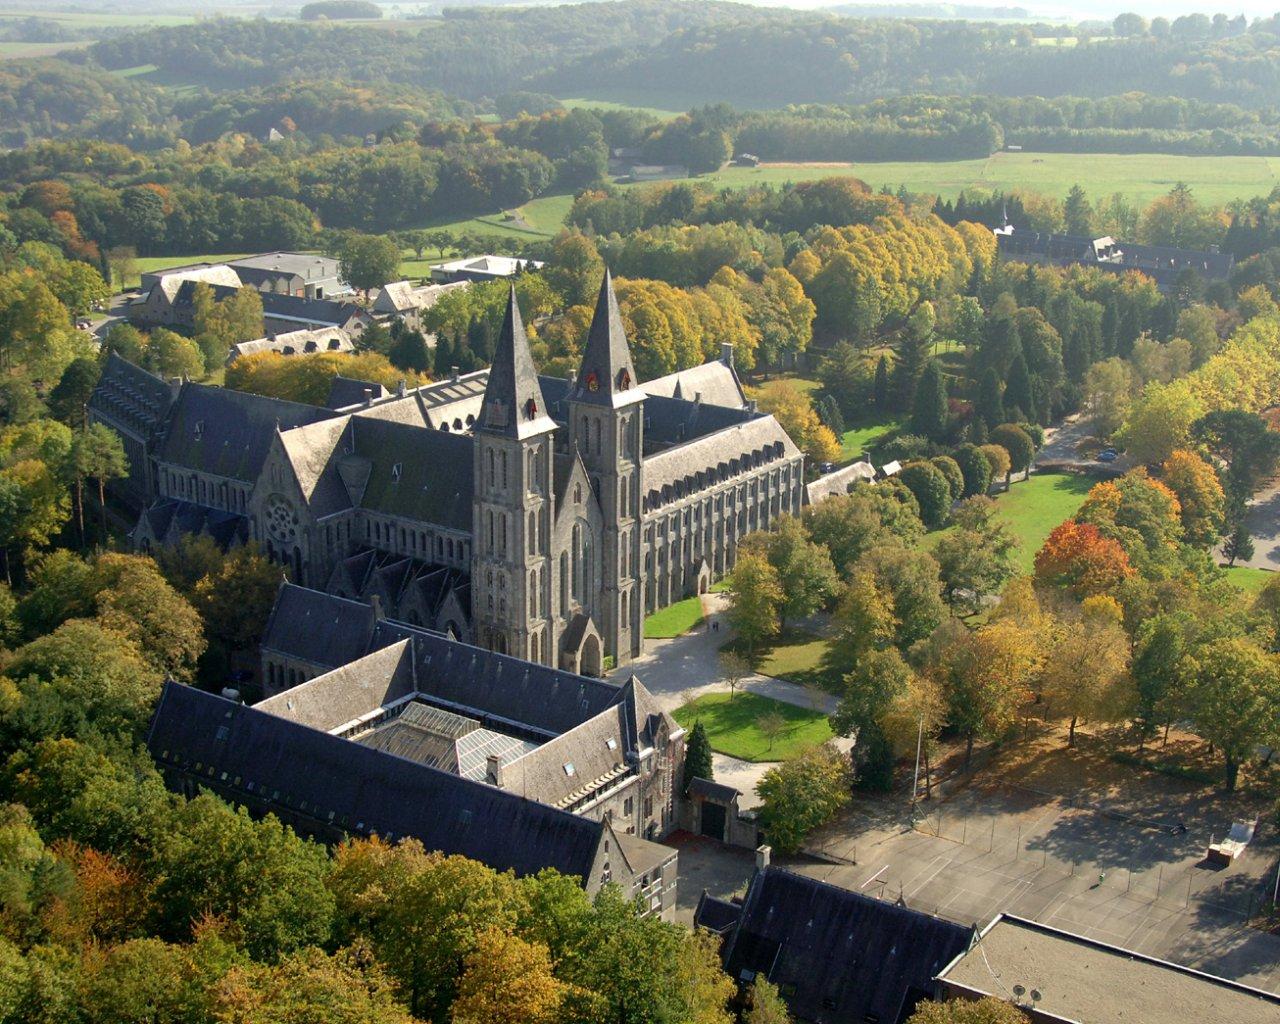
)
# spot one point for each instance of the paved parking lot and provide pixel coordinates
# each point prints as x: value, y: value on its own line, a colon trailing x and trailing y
x: 1032, y: 855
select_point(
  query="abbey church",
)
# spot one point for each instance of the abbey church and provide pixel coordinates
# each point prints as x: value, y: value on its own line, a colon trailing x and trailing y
x: 534, y: 516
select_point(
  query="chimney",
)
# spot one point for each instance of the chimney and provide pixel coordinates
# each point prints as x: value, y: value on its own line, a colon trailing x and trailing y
x: 573, y: 379
x: 763, y: 855
x: 751, y: 405
x: 726, y: 353
x: 368, y: 396
x: 376, y: 601
x: 493, y: 770
x: 697, y: 398
x: 453, y: 374
x: 401, y: 387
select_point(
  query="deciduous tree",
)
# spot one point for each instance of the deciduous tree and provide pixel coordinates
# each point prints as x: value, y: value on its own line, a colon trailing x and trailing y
x: 801, y: 794
x: 1078, y: 557
x: 755, y: 599
x: 1235, y: 699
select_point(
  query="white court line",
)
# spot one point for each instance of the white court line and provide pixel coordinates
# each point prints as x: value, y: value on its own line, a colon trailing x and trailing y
x: 934, y: 874
x: 875, y: 876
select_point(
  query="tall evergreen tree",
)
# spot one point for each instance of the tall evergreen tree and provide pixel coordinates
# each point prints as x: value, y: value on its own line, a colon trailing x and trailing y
x: 1078, y: 212
x: 989, y: 405
x: 913, y: 355
x: 1017, y: 392
x: 880, y: 385
x: 445, y: 356
x: 697, y: 756
x: 930, y: 416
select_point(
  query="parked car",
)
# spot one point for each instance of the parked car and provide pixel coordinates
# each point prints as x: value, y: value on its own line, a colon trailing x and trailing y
x: 1108, y: 455
x: 84, y: 325
x: 827, y: 467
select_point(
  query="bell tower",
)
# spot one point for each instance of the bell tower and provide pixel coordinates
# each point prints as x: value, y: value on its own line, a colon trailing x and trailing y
x: 512, y: 511
x: 606, y: 426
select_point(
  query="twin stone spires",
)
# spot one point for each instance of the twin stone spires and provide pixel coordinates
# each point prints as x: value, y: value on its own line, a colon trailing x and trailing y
x: 513, y: 405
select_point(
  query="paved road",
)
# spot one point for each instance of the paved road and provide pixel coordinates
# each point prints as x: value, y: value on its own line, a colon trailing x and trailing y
x: 1060, y: 447
x: 676, y: 671
x: 1263, y: 520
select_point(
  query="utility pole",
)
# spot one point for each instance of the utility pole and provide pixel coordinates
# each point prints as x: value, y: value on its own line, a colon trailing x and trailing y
x: 915, y: 784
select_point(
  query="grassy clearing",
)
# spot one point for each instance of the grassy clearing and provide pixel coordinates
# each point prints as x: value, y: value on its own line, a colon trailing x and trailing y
x: 135, y: 71
x: 1034, y: 508
x: 674, y: 619
x: 797, y: 656
x: 1248, y: 579
x: 858, y: 439
x: 1140, y: 176
x: 18, y: 51
x: 733, y: 725
x: 579, y: 101
x: 98, y: 19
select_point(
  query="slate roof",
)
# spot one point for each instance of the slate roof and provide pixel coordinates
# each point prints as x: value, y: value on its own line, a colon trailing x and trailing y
x: 275, y: 306
x: 709, y: 790
x: 224, y: 528
x: 228, y: 433
x: 130, y: 396
x: 575, y: 765
x: 320, y: 628
x: 345, y: 392
x: 302, y: 342
x: 402, y: 296
x: 841, y: 481
x: 342, y: 697
x: 672, y: 421
x: 433, y: 482
x: 838, y: 955
x: 715, y: 381
x: 513, y: 405
x: 373, y: 789
x: 716, y: 915
x: 758, y: 438
x: 607, y: 376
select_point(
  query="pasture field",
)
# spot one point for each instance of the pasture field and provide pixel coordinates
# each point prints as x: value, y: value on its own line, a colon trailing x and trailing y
x: 1141, y: 177
x: 581, y: 101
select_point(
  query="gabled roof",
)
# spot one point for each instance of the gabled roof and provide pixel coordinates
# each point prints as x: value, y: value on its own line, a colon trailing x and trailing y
x: 130, y: 396
x: 228, y: 433
x: 320, y: 628
x: 671, y: 421
x: 373, y: 790
x: 218, y: 275
x: 841, y: 481
x: 716, y: 382
x: 513, y: 405
x: 415, y: 472
x: 345, y: 392
x: 607, y: 376
x: 716, y: 915
x: 840, y: 956
x: 762, y: 436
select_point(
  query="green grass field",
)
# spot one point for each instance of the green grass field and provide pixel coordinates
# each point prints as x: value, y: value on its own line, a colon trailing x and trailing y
x: 733, y: 726
x: 1032, y: 509
x: 1141, y: 176
x: 580, y: 101
x: 674, y: 619
x: 857, y: 439
x: 96, y: 19
x: 797, y: 656
x: 1248, y: 579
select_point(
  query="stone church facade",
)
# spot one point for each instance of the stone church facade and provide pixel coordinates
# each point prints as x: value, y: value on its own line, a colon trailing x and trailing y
x: 533, y: 516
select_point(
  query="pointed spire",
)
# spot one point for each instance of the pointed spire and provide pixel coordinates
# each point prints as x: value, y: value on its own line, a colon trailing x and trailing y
x: 513, y: 405
x: 607, y: 376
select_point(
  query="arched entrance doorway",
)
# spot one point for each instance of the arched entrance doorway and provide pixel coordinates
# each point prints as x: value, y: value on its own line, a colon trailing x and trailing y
x: 592, y: 659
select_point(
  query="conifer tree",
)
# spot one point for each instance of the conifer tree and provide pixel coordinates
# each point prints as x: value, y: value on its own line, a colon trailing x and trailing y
x: 1017, y: 392
x: 989, y: 405
x: 930, y: 416
x: 697, y: 756
x: 880, y: 386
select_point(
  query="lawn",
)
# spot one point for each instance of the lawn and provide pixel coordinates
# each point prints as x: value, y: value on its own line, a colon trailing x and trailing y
x: 799, y: 657
x: 1248, y: 579
x: 662, y: 115
x: 733, y: 725
x: 1033, y: 508
x: 674, y: 620
x: 858, y: 439
x: 1141, y: 177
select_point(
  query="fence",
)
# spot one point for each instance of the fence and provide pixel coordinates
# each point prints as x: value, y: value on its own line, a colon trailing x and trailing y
x: 1113, y: 849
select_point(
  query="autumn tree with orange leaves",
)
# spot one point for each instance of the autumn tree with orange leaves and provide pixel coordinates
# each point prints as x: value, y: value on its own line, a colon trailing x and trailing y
x: 1078, y: 557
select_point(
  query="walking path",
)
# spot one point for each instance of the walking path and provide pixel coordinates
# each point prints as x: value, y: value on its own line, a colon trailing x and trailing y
x: 678, y: 670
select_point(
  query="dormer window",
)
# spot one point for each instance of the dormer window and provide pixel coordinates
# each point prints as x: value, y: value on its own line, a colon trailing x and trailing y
x: 531, y: 409
x: 624, y: 379
x: 199, y: 429
x: 569, y: 769
x: 396, y: 470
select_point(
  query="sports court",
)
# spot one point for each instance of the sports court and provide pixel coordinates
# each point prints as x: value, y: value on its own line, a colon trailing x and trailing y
x: 1117, y: 878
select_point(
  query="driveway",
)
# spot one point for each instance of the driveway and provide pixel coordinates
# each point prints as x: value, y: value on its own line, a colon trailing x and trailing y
x: 1060, y: 442
x: 1263, y: 520
x: 676, y: 671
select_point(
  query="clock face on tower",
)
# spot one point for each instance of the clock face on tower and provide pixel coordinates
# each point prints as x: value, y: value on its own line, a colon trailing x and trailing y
x: 282, y: 520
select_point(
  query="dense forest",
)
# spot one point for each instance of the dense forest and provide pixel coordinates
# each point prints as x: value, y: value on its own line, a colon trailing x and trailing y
x: 687, y: 53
